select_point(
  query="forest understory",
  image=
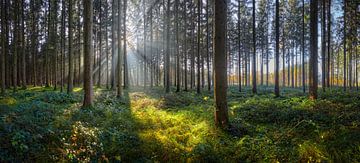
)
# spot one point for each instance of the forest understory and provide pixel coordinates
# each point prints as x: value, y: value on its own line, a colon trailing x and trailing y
x: 39, y: 124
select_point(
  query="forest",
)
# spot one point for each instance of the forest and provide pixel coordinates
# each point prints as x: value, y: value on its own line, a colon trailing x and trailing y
x: 179, y: 81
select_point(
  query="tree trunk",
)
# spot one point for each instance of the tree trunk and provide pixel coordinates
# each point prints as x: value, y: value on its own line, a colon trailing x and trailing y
x: 126, y: 69
x: 119, y: 64
x: 113, y: 43
x: 167, y: 57
x: 16, y: 48
x: 328, y: 44
x: 254, y: 89
x: 71, y: 64
x: 198, y: 47
x: 3, y: 44
x: 313, y: 71
x: 344, y: 45
x: 277, y: 90
x: 303, y: 46
x: 185, y: 48
x: 323, y: 46
x: 177, y: 46
x: 220, y: 78
x: 88, y: 52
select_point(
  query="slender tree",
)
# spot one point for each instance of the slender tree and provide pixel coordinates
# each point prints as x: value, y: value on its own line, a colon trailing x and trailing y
x: 313, y: 71
x: 254, y: 89
x: 344, y: 45
x: 220, y: 75
x: 3, y: 47
x: 70, y: 51
x: 119, y: 64
x: 113, y: 42
x: 198, y: 46
x: 328, y: 44
x: 303, y: 45
x: 88, y: 52
x: 167, y: 53
x: 177, y: 46
x: 126, y: 69
x: 277, y: 33
x: 323, y: 45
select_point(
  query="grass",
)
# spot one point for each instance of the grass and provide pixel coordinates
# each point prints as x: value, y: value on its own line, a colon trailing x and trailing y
x: 41, y: 125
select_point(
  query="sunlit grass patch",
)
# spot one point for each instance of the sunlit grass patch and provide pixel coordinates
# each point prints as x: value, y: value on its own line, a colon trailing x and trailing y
x: 312, y: 152
x: 77, y: 89
x: 7, y: 101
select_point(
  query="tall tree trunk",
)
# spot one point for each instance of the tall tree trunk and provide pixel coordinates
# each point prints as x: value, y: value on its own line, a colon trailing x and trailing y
x: 167, y: 55
x: 185, y: 48
x: 71, y: 64
x: 207, y: 46
x: 277, y: 33
x: 62, y: 45
x: 220, y: 78
x: 344, y: 45
x: 126, y: 69
x: 119, y: 64
x: 107, y: 45
x: 303, y: 46
x: 177, y: 46
x: 198, y: 47
x: 3, y: 44
x: 88, y: 52
x: 100, y: 43
x: 328, y: 43
x: 16, y: 40
x: 23, y: 46
x: 254, y: 89
x: 313, y: 71
x: 239, y: 44
x: 113, y: 42
x: 323, y: 46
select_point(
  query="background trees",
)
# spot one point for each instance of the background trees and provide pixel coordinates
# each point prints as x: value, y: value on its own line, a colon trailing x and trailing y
x: 168, y: 43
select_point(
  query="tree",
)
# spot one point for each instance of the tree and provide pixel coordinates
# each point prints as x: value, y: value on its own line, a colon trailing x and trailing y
x: 126, y: 70
x: 167, y: 53
x: 207, y: 46
x: 313, y: 71
x: 88, y: 52
x: 119, y: 64
x: 23, y: 53
x: 328, y: 44
x: 323, y: 45
x: 277, y: 33
x: 70, y: 52
x: 177, y: 46
x: 254, y: 90
x: 62, y: 45
x: 220, y: 75
x: 303, y: 45
x: 198, y: 47
x: 3, y: 44
x: 113, y: 43
x: 344, y: 45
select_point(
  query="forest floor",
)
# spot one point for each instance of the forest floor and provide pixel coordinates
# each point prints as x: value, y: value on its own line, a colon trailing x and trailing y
x: 39, y: 124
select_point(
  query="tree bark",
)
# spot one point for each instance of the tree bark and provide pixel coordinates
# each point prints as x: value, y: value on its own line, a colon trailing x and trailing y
x: 167, y: 57
x: 220, y: 78
x: 88, y: 52
x: 277, y: 89
x: 313, y: 71
x: 71, y: 64
x: 119, y: 64
x: 254, y: 89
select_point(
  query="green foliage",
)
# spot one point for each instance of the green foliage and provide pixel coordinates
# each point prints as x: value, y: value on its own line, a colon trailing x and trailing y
x: 45, y: 126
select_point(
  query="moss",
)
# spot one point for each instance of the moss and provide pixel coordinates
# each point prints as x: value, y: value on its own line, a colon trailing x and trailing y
x: 147, y: 126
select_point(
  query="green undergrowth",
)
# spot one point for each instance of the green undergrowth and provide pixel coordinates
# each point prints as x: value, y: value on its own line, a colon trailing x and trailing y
x: 39, y: 124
